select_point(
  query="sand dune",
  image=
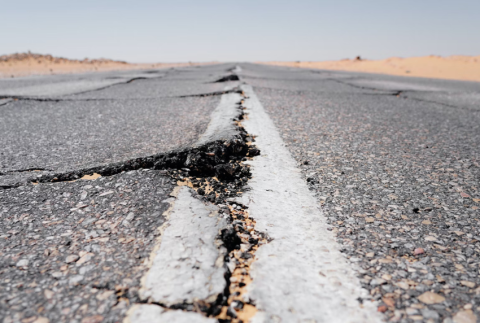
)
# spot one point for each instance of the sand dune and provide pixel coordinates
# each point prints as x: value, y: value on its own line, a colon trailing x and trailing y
x: 22, y: 64
x: 465, y: 68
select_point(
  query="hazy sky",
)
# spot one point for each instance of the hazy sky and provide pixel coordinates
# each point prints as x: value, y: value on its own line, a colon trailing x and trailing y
x: 240, y: 30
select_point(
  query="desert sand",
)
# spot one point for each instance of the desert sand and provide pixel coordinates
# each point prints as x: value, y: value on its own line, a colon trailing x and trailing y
x: 23, y: 64
x: 466, y: 68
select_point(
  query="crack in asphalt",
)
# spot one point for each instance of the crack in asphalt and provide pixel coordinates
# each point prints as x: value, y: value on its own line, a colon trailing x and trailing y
x: 211, y: 158
x: 207, y: 158
x: 33, y: 169
x: 396, y: 93
x: 439, y: 103
x: 386, y: 92
x: 216, y: 172
x: 228, y: 78
x: 239, y: 237
x: 38, y: 99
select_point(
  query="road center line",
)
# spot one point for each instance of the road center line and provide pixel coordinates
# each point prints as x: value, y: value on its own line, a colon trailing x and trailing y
x: 188, y: 266
x: 301, y: 274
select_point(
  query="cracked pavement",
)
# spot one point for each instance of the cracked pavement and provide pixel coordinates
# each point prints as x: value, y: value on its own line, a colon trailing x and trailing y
x: 394, y: 162
x: 391, y: 163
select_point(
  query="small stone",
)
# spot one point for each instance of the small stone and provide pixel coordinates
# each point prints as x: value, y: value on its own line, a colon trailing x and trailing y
x: 57, y: 274
x: 71, y: 258
x: 467, y: 283
x: 403, y: 285
x: 426, y: 222
x: 468, y: 306
x: 75, y: 280
x: 463, y: 194
x: 48, y: 294
x: 418, y: 251
x: 388, y: 301
x: 411, y: 311
x: 41, y: 320
x: 85, y: 258
x: 465, y: 317
x: 429, y: 314
x: 386, y: 276
x: 83, y: 309
x: 377, y: 281
x: 103, y: 296
x: 431, y: 298
x: 93, y: 319
x: 370, y: 254
x: 382, y: 309
x: 370, y: 220
x: 22, y: 263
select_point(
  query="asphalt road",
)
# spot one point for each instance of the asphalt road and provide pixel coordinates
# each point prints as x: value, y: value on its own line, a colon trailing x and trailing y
x: 65, y: 123
x: 392, y: 163
x: 395, y: 164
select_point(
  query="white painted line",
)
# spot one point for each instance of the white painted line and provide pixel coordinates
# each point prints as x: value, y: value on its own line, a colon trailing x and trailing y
x: 300, y: 276
x: 188, y: 265
x: 148, y: 313
x: 221, y: 125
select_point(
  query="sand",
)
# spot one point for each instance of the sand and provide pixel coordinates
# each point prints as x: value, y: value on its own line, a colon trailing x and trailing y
x: 23, y: 64
x: 466, y: 68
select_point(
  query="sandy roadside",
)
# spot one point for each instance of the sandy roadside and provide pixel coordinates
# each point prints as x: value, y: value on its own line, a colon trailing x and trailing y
x: 466, y: 68
x: 23, y: 64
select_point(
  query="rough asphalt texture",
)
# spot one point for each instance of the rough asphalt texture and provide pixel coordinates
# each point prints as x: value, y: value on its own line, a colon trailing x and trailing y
x: 394, y: 174
x: 123, y: 121
x: 78, y: 134
x: 73, y: 252
x: 394, y: 163
x: 76, y: 251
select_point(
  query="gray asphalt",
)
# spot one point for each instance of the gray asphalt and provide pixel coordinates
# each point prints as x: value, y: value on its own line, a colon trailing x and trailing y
x: 393, y: 161
x: 75, y: 251
x: 60, y: 133
x: 395, y: 164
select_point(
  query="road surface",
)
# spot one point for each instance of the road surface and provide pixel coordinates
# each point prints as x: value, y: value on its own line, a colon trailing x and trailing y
x: 239, y: 193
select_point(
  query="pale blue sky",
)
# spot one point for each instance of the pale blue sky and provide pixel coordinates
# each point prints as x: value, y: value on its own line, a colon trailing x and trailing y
x: 240, y: 30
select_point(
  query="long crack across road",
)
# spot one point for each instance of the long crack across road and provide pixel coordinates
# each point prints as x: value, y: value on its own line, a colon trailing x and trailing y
x: 240, y: 238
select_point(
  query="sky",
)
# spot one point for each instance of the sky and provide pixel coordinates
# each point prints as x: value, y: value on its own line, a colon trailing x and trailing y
x: 240, y: 30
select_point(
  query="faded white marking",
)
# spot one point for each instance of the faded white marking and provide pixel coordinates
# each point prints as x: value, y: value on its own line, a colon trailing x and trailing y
x: 148, y: 313
x: 300, y: 276
x: 188, y: 265
x: 221, y: 125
